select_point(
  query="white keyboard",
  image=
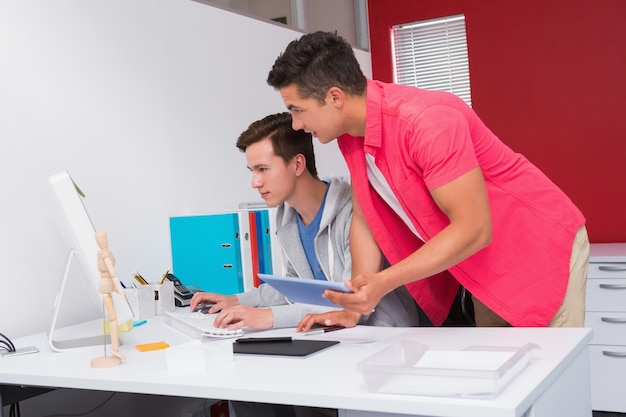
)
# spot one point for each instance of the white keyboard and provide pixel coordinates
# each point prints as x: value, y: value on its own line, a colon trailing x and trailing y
x: 199, y: 325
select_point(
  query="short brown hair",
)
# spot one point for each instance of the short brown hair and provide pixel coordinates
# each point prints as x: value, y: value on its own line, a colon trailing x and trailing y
x: 286, y: 142
x: 315, y: 63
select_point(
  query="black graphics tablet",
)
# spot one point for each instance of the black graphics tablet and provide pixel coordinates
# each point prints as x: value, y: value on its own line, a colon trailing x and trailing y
x: 295, y: 347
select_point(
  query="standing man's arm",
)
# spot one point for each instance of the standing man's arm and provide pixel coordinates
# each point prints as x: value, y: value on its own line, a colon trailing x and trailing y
x: 366, y: 255
x: 367, y: 260
x: 466, y: 203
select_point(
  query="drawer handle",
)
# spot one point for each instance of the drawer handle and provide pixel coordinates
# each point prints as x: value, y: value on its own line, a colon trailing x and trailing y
x: 613, y: 320
x: 228, y: 266
x: 614, y: 354
x: 613, y: 268
x: 613, y: 286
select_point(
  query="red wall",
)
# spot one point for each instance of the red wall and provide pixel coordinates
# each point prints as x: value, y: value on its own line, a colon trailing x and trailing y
x: 549, y: 78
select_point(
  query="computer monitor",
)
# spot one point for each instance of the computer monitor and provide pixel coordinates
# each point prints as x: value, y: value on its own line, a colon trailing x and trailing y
x: 79, y: 235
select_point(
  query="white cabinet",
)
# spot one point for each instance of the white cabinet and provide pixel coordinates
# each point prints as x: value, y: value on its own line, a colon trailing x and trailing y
x: 606, y: 314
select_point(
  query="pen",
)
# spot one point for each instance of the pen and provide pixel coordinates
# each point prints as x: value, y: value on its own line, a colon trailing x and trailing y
x: 264, y: 339
x: 323, y: 330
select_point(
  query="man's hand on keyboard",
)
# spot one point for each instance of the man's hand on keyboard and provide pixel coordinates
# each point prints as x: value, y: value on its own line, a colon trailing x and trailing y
x: 241, y: 316
x: 219, y: 301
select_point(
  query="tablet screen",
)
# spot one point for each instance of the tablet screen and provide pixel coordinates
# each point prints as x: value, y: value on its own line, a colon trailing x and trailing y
x: 301, y: 290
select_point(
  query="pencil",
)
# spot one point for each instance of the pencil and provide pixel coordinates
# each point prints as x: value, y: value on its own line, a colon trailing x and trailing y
x: 164, y: 276
x: 140, y: 279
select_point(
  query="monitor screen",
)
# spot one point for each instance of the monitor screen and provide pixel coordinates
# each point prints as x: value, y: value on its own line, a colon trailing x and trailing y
x: 79, y: 235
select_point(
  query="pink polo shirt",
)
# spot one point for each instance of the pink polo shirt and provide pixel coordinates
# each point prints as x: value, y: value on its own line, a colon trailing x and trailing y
x: 424, y: 139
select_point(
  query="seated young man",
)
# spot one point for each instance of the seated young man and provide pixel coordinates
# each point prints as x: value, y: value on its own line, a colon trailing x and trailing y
x: 313, y: 223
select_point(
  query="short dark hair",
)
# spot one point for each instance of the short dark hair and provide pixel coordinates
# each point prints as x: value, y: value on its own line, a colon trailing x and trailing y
x: 315, y: 63
x: 286, y: 142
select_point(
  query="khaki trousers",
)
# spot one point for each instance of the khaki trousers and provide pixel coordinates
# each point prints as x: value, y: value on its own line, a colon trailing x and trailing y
x: 572, y: 310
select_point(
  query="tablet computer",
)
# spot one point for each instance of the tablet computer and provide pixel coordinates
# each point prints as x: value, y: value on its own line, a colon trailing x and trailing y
x: 301, y: 290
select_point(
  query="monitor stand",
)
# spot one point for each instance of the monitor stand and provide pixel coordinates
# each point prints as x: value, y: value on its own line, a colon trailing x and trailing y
x: 78, y: 343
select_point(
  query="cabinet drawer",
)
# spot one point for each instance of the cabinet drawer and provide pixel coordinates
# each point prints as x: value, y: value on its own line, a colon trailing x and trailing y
x: 606, y: 294
x: 608, y: 378
x: 609, y: 328
x: 607, y: 270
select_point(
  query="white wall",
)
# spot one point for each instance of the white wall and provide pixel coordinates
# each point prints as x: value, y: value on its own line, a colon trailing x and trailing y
x: 142, y: 102
x: 342, y: 20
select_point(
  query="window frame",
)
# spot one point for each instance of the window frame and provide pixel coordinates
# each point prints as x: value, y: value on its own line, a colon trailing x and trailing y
x: 432, y: 54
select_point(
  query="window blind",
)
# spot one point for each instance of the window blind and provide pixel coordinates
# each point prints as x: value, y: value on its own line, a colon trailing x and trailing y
x: 432, y: 54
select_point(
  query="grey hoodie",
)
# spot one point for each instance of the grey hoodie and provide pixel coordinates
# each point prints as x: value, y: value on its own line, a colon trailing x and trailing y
x: 395, y: 309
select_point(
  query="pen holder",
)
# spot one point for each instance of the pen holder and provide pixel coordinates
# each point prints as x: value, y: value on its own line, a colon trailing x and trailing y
x: 141, y: 301
x: 163, y: 297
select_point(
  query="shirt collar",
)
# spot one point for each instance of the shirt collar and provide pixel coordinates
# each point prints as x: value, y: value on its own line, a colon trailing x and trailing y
x: 373, y: 124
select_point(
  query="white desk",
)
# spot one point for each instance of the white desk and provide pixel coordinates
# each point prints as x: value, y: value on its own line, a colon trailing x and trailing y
x: 555, y: 383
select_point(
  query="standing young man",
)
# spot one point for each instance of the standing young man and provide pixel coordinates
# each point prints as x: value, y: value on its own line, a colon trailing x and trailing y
x: 439, y: 192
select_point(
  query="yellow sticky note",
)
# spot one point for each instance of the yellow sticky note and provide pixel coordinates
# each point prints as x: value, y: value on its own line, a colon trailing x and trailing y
x: 151, y: 346
x: 126, y: 326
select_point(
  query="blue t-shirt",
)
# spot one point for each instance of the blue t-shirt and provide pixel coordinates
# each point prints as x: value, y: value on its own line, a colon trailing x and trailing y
x: 307, y: 237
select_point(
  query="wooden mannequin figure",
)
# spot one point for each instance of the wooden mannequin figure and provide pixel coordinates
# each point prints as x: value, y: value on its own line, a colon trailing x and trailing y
x: 108, y: 283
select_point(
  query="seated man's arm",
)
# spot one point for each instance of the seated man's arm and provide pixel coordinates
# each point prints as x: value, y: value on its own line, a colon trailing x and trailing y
x: 219, y: 301
x: 262, y: 296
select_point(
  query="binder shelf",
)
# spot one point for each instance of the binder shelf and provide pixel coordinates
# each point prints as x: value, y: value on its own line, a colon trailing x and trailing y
x: 411, y: 368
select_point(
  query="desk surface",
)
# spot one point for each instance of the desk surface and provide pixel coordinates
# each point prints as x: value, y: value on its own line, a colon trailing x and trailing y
x: 328, y: 379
